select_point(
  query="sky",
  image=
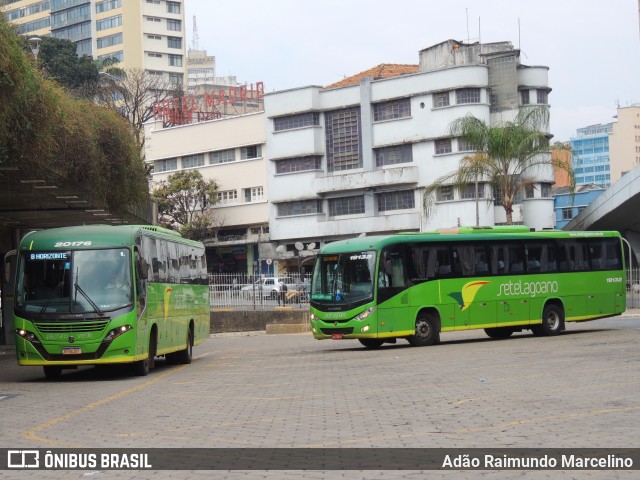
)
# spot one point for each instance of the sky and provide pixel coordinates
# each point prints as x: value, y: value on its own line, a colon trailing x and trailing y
x: 592, y: 47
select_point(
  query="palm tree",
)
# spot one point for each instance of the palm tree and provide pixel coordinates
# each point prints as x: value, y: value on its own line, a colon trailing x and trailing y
x: 506, y: 155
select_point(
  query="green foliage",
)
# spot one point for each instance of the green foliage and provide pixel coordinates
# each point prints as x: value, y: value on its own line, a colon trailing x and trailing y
x: 46, y: 131
x: 58, y: 58
x: 184, y: 201
x: 506, y: 155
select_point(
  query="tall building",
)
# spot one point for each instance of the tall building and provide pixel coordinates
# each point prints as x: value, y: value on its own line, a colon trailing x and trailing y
x: 146, y: 34
x: 354, y: 158
x: 624, y: 141
x: 590, y: 155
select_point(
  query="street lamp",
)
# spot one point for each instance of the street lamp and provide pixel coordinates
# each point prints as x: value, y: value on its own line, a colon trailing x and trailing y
x: 34, y: 43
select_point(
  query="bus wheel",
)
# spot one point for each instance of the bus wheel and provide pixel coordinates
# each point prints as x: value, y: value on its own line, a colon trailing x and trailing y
x: 52, y: 373
x: 142, y: 367
x: 426, y: 332
x: 552, y: 321
x: 371, y: 342
x: 499, y: 332
x: 184, y: 356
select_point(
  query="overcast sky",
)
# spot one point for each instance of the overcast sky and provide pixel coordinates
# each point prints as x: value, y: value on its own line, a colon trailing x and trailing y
x: 592, y: 47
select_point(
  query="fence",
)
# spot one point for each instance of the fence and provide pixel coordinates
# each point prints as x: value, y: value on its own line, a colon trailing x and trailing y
x: 242, y: 292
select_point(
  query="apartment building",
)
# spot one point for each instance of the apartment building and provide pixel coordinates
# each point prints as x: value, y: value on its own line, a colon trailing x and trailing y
x: 145, y: 34
x: 590, y: 155
x: 624, y: 141
x: 354, y: 158
x: 232, y: 151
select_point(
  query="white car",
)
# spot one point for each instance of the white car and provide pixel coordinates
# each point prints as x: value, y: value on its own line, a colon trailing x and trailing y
x: 268, y: 287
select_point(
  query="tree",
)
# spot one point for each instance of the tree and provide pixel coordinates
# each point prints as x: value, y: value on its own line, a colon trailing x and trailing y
x: 506, y: 156
x: 133, y: 93
x: 58, y: 58
x: 184, y: 203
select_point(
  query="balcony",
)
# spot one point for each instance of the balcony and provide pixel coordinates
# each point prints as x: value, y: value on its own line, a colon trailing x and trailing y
x: 337, y: 182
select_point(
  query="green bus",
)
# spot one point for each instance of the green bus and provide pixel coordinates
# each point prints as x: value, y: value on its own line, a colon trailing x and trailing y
x: 501, y: 279
x: 92, y: 295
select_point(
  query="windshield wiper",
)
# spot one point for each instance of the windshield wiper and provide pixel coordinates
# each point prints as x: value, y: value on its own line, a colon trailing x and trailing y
x: 88, y: 298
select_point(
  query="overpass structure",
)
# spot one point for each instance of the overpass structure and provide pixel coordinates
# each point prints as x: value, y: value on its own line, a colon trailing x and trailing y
x: 618, y: 208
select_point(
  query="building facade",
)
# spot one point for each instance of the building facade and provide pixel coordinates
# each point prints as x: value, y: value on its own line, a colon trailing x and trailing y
x: 148, y: 35
x: 354, y: 158
x: 568, y: 205
x: 624, y: 141
x: 232, y: 152
x: 590, y: 155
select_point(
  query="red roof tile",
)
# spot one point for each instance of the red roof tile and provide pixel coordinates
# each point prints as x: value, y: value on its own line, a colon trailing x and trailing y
x: 384, y: 70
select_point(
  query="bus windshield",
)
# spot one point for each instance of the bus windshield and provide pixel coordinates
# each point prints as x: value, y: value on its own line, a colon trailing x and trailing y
x: 87, y: 281
x: 344, y: 279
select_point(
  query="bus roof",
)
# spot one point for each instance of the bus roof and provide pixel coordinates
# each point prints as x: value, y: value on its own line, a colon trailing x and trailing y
x: 458, y: 234
x: 96, y: 236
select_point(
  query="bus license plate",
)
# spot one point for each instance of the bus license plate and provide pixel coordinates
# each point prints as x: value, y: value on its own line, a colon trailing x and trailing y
x: 336, y: 336
x: 71, y: 351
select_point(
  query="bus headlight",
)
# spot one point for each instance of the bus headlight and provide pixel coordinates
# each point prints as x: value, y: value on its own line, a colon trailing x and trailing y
x: 365, y: 314
x: 27, y: 335
x: 312, y: 317
x: 116, y: 332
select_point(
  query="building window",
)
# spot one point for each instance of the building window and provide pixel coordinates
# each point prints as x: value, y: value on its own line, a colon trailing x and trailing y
x: 108, y: 5
x: 154, y: 37
x: 35, y: 25
x: 545, y: 190
x: 301, y: 207
x: 343, y: 139
x: 440, y: 99
x: 393, y: 155
x: 443, y: 145
x: 253, y: 194
x: 119, y: 56
x: 402, y: 200
x: 298, y: 164
x: 525, y: 99
x: 175, y: 60
x: 154, y: 54
x: 154, y: 19
x: 110, y: 22
x: 191, y: 161
x: 469, y: 191
x: 309, y: 119
x: 222, y: 156
x: 227, y: 197
x: 346, y: 206
x: 173, y: 7
x: 391, y: 110
x: 109, y: 41
x: 248, y: 153
x: 468, y: 95
x: 567, y: 213
x: 465, y: 145
x: 175, y: 78
x: 174, y: 25
x: 174, y: 42
x: 165, y: 165
x: 543, y: 97
x: 528, y: 191
x: 444, y: 193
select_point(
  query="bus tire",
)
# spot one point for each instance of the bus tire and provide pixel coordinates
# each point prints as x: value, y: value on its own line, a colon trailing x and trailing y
x: 52, y: 372
x: 371, y: 342
x: 426, y: 331
x: 184, y: 357
x: 552, y: 321
x: 499, y: 333
x: 142, y: 367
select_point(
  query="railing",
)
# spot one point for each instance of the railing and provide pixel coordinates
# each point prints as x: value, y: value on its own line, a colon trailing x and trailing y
x: 230, y: 291
x: 239, y: 292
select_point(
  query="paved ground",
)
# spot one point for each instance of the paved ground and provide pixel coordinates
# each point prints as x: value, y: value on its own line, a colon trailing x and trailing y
x: 580, y: 389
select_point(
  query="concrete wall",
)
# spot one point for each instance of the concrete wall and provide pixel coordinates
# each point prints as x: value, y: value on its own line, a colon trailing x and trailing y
x: 247, y: 321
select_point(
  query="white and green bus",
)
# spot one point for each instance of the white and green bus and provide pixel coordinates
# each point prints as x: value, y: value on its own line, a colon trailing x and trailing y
x: 501, y: 279
x: 95, y: 295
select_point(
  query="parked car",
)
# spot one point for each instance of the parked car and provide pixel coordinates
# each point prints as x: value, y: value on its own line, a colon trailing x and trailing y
x: 268, y: 287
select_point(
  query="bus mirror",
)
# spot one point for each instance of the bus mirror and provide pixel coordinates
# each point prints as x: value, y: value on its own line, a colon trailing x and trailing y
x: 143, y: 269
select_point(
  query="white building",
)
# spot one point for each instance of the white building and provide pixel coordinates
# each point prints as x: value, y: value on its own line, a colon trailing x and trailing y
x: 231, y: 151
x: 354, y: 157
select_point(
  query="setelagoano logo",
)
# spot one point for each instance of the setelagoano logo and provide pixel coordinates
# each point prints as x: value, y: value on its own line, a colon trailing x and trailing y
x: 527, y: 288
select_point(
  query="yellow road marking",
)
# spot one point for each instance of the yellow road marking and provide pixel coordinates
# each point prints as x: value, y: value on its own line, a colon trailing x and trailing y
x: 33, y: 433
